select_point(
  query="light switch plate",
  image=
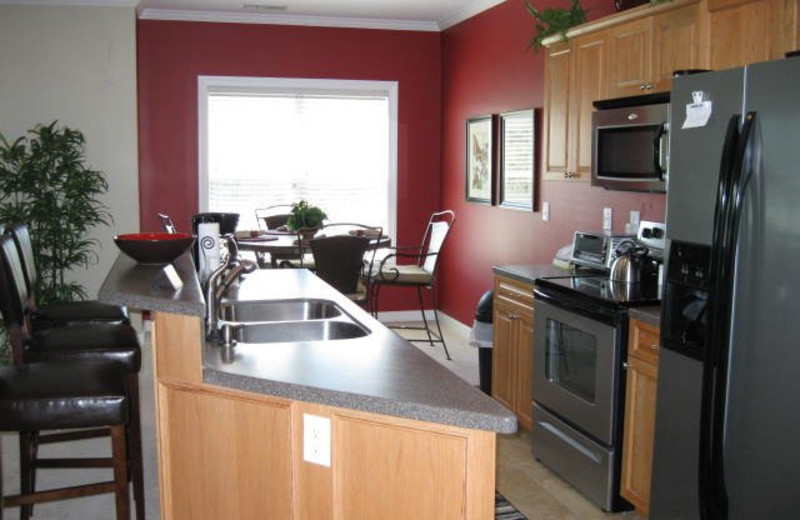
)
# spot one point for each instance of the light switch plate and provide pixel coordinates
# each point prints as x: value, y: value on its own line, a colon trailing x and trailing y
x: 317, y: 439
x: 634, y: 220
x: 607, y: 214
x: 545, y: 211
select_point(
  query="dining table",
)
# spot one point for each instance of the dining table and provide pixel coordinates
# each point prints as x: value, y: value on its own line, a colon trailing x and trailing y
x: 282, y: 245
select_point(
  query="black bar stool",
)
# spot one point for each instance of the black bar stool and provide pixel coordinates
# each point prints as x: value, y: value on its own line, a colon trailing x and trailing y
x: 53, y: 315
x: 87, y: 343
x: 48, y: 396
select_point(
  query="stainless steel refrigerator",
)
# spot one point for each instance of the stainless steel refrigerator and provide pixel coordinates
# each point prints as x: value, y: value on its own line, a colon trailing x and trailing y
x: 727, y: 441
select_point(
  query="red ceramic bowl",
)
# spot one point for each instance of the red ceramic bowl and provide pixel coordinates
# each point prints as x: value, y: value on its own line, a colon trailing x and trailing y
x: 154, y: 248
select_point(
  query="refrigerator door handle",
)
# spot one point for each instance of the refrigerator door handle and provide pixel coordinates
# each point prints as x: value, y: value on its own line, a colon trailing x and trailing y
x: 713, y: 495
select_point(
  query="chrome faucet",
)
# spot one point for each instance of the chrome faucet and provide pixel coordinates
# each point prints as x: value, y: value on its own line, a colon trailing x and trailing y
x: 220, y: 280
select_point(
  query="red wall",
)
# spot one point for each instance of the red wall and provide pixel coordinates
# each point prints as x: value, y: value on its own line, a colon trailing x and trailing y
x: 172, y: 54
x: 487, y: 68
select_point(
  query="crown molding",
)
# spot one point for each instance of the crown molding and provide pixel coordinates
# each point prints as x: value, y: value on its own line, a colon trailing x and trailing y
x: 287, y: 19
x: 468, y: 11
x: 73, y: 3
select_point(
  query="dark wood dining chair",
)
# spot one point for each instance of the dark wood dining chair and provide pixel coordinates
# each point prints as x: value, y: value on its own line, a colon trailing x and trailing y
x: 339, y: 261
x: 416, y: 267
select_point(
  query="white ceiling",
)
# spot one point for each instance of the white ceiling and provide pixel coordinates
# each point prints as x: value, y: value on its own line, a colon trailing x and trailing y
x: 423, y: 15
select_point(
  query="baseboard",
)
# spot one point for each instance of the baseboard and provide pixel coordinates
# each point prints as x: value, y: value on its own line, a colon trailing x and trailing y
x: 409, y: 316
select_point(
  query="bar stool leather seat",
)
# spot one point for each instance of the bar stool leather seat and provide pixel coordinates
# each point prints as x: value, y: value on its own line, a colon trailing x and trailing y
x: 84, y: 343
x: 38, y: 396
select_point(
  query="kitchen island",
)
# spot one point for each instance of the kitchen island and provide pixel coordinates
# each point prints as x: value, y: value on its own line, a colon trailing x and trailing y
x: 236, y: 427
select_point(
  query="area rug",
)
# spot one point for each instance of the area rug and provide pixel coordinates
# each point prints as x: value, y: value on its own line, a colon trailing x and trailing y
x: 503, y: 510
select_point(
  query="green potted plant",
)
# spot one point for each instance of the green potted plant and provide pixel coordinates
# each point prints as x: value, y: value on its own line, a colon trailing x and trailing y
x: 305, y: 218
x: 552, y: 20
x: 46, y: 184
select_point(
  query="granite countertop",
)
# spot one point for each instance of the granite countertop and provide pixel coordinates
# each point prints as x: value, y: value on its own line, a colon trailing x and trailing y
x: 650, y: 315
x: 528, y: 273
x: 379, y: 373
x: 147, y: 287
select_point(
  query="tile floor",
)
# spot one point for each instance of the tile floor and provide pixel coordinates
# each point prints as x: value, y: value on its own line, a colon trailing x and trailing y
x: 533, y: 489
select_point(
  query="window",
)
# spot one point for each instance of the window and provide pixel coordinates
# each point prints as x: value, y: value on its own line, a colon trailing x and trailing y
x: 268, y: 141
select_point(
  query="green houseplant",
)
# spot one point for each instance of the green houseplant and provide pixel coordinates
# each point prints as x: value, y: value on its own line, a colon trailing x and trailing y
x: 552, y: 20
x: 46, y: 184
x: 304, y: 216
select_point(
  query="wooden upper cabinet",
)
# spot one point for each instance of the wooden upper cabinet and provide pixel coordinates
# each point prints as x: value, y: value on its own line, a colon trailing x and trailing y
x: 558, y: 73
x: 680, y: 42
x: 589, y: 85
x: 744, y: 32
x: 575, y: 77
x: 630, y: 58
x: 643, y: 53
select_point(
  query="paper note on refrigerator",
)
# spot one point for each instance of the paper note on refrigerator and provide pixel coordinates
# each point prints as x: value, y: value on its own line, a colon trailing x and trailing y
x: 697, y: 115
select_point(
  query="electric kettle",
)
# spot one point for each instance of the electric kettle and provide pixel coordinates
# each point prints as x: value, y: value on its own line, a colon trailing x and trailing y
x: 629, y: 265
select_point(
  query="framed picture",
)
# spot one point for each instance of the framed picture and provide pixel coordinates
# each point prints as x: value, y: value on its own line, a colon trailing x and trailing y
x: 517, y: 160
x: 480, y: 159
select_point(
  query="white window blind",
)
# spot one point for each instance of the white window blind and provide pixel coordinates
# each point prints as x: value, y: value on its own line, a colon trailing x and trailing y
x: 279, y: 145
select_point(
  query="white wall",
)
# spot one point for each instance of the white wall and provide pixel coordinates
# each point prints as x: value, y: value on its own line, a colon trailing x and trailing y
x: 78, y: 65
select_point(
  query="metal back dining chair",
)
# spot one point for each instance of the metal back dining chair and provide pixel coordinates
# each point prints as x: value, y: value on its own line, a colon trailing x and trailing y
x: 273, y: 217
x: 416, y: 267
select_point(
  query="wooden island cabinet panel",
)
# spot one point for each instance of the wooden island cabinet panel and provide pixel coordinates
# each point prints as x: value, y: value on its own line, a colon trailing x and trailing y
x: 227, y: 457
x: 227, y: 453
x: 512, y: 352
x: 640, y: 415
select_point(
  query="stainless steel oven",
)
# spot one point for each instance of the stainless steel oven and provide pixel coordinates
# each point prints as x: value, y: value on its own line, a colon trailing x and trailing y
x: 576, y: 368
x: 577, y: 391
x: 580, y: 342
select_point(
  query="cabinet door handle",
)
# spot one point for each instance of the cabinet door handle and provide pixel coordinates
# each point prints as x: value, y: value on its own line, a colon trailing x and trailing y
x: 642, y: 87
x: 571, y: 175
x: 626, y: 365
x: 654, y: 347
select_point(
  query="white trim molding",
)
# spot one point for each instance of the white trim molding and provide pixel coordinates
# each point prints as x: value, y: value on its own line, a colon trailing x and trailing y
x: 468, y: 11
x: 73, y: 3
x: 287, y: 19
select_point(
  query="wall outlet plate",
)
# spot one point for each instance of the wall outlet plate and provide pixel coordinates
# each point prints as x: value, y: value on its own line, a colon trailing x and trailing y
x: 317, y: 439
x: 634, y: 220
x: 545, y: 211
x: 607, y: 217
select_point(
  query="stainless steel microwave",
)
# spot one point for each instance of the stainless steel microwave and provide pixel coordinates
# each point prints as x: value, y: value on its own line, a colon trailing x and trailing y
x: 630, y: 145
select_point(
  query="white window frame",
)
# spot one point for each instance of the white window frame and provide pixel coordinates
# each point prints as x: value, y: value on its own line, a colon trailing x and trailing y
x: 207, y: 85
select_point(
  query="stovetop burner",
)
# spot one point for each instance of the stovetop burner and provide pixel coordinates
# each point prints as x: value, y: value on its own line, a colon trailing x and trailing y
x: 599, y: 289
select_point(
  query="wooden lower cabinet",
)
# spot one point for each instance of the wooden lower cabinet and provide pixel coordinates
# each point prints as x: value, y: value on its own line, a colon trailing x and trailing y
x: 233, y: 454
x: 512, y: 352
x: 640, y: 415
x: 226, y: 457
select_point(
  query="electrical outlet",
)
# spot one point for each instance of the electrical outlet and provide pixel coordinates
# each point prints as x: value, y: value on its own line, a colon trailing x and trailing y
x: 634, y: 220
x: 317, y: 439
x: 545, y: 211
x: 607, y: 214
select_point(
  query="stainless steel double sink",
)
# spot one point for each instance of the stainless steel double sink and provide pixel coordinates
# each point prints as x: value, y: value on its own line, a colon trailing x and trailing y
x: 281, y: 321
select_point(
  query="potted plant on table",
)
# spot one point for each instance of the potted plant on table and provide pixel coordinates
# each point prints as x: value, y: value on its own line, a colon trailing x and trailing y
x: 305, y: 219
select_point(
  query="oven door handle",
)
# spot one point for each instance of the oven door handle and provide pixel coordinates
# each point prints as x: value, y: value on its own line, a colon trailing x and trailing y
x: 569, y: 440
